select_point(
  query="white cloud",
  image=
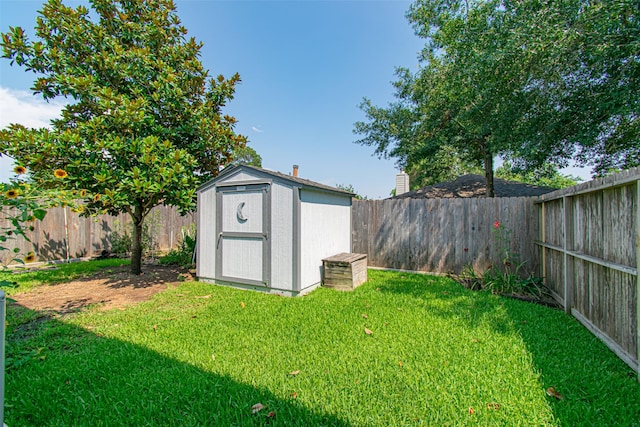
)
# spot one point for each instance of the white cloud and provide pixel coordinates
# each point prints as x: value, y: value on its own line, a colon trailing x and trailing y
x: 17, y: 106
x: 256, y: 129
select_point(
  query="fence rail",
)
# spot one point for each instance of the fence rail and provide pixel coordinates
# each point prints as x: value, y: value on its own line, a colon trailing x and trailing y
x: 589, y: 242
x: 585, y: 242
x: 64, y: 235
x: 443, y: 235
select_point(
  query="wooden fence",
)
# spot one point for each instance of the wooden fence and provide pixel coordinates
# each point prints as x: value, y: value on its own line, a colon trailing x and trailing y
x: 443, y: 235
x: 584, y: 240
x: 589, y: 241
x: 64, y: 235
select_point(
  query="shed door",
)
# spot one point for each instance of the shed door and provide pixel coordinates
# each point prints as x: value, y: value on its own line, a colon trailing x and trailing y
x: 243, y: 251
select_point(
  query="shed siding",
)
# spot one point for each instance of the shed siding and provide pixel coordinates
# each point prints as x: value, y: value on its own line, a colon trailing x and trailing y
x: 303, y: 223
x: 281, y: 237
x: 325, y: 230
x: 242, y: 176
x: 244, y: 260
x: 206, y: 252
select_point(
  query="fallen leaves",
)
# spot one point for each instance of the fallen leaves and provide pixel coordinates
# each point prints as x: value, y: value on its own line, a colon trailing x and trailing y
x: 242, y: 304
x: 259, y: 407
x: 365, y: 316
x: 294, y: 373
x: 554, y: 393
x: 368, y: 331
x: 493, y: 406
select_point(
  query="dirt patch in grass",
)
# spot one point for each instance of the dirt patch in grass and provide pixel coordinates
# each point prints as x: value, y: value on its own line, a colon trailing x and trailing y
x: 109, y: 288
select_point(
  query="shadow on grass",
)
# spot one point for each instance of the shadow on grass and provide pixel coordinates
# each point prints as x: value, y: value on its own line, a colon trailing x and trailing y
x: 597, y: 387
x: 447, y: 299
x: 59, y: 374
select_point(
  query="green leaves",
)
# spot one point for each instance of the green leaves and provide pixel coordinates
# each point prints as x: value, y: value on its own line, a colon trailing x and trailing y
x: 39, y: 214
x: 142, y: 126
x: 536, y: 82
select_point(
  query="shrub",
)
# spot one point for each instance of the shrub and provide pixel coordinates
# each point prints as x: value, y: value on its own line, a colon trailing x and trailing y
x: 505, y: 277
x: 183, y: 256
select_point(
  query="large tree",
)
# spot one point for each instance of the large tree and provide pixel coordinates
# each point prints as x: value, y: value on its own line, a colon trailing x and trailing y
x: 453, y: 107
x: 144, y: 122
x: 584, y: 80
x: 532, y: 81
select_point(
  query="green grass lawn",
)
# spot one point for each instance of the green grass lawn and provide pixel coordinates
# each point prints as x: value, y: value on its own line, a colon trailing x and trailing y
x: 199, y: 354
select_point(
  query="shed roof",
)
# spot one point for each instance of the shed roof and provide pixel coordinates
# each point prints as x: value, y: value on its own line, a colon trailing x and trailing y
x: 299, y: 182
x: 472, y: 185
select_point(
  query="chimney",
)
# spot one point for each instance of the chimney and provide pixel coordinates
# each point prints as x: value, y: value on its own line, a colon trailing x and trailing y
x: 402, y: 183
x: 295, y: 171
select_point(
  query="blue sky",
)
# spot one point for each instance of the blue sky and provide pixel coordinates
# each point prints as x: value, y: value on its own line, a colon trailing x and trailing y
x: 305, y: 67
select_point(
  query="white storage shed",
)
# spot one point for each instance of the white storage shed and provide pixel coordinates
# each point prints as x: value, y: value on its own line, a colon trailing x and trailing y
x: 260, y: 229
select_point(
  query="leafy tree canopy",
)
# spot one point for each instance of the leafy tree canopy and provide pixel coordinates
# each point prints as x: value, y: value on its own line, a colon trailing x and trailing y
x: 247, y: 156
x: 144, y: 123
x: 546, y: 176
x: 350, y: 189
x: 533, y: 81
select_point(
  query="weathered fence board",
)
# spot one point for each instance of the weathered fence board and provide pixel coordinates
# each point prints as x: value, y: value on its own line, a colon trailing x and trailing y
x: 442, y: 235
x: 589, y: 242
x: 63, y: 234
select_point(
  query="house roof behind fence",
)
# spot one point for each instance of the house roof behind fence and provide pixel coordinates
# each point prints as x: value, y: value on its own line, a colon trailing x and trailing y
x: 471, y: 185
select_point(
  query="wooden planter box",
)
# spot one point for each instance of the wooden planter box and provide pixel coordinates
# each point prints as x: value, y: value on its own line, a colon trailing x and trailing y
x: 345, y: 271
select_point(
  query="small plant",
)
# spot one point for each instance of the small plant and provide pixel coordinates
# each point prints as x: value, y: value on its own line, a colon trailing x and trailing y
x: 505, y: 277
x: 152, y: 224
x: 470, y: 279
x: 511, y: 282
x: 120, y: 240
x: 183, y: 256
x: 23, y: 203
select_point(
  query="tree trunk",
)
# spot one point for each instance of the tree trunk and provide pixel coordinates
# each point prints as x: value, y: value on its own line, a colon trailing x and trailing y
x: 136, y: 245
x: 488, y: 173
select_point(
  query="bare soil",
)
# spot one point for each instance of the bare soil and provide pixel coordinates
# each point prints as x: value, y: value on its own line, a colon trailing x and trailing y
x: 109, y: 288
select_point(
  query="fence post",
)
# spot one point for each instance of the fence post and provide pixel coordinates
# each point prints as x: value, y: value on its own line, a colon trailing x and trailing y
x: 567, y: 228
x: 543, y: 239
x: 638, y: 276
